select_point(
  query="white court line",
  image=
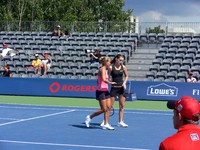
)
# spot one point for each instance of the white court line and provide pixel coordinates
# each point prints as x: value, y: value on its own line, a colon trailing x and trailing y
x: 32, y: 107
x: 8, y: 119
x: 70, y: 145
x: 38, y: 117
x: 155, y: 112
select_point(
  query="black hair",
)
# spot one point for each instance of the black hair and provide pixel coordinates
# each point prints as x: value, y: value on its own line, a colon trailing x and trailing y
x: 114, y: 59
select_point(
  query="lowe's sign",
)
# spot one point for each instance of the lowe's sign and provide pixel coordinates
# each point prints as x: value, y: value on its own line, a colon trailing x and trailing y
x: 162, y: 89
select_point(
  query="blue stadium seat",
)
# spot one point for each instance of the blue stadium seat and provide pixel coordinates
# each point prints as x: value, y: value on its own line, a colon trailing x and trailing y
x: 18, y: 33
x: 91, y: 34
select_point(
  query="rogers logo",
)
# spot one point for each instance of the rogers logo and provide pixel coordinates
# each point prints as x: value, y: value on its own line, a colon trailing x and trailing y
x: 54, y: 87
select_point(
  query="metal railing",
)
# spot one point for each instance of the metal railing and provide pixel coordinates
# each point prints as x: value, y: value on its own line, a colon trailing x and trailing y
x: 130, y: 27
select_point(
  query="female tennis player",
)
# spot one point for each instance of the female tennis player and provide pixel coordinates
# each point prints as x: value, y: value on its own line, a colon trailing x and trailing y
x: 119, y: 75
x: 102, y: 95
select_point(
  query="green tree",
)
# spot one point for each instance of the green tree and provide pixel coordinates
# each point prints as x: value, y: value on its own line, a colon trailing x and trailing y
x: 63, y: 11
x: 156, y: 30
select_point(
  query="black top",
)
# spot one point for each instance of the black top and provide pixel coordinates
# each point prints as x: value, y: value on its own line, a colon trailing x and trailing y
x: 98, y: 57
x: 117, y: 75
x: 6, y: 73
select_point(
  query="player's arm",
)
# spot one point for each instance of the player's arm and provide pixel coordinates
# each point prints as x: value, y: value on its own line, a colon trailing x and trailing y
x: 126, y: 76
x: 103, y: 74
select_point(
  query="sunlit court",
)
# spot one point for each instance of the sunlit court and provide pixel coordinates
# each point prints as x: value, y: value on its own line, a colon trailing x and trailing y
x: 32, y: 127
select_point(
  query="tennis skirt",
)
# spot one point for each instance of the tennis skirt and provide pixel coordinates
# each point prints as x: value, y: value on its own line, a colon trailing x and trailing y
x: 102, y: 95
x: 117, y: 91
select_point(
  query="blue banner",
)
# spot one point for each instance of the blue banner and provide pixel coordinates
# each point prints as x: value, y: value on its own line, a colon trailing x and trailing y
x: 165, y: 90
x: 86, y: 88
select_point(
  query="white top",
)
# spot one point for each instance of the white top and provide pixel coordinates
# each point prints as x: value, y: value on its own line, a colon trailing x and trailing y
x: 192, y: 80
x: 4, y: 52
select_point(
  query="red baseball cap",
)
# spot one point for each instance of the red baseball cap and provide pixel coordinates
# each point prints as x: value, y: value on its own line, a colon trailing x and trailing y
x: 5, y: 45
x: 187, y: 106
x: 190, y: 73
x: 46, y: 54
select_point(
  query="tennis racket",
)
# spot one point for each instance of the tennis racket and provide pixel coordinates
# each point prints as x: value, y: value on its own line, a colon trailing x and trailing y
x: 112, y: 111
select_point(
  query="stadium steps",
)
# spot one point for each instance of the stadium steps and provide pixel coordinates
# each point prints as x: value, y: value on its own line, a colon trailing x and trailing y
x: 139, y: 63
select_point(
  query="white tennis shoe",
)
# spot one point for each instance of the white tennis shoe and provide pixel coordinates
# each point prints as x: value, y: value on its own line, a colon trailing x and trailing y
x: 102, y: 123
x: 107, y: 127
x: 87, y: 121
x: 122, y: 124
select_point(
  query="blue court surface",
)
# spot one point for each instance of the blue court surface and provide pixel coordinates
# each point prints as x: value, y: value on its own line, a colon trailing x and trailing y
x: 29, y: 127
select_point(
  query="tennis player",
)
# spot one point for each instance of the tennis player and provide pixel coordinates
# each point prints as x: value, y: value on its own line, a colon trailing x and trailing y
x: 119, y: 75
x: 185, y: 120
x: 102, y: 95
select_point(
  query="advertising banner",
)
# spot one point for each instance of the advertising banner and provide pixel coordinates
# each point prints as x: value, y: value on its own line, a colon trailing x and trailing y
x: 86, y: 88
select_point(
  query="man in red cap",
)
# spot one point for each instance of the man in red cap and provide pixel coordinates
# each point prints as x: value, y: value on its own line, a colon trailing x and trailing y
x: 5, y: 50
x: 185, y: 120
x: 191, y: 78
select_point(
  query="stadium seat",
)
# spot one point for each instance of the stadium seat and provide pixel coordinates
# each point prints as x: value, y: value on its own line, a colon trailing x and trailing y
x: 60, y: 59
x: 64, y: 65
x: 88, y: 39
x: 151, y: 74
x: 188, y: 35
x: 182, y: 51
x: 154, y: 68
x: 164, y: 68
x: 195, y: 40
x: 100, y: 34
x: 163, y: 50
x: 177, y: 62
x: 195, y: 69
x: 89, y: 72
x: 96, y: 39
x: 144, y: 37
x: 157, y: 61
x: 114, y: 39
x: 192, y: 51
x: 180, y: 56
x: 83, y: 34
x: 169, y: 80
x: 170, y: 56
x: 105, y: 39
x: 79, y: 72
x: 196, y: 62
x: 125, y: 35
x: 59, y: 71
x: 55, y: 65
x: 167, y: 62
x: 75, y: 34
x: 172, y: 50
x: 185, y: 69
x: 165, y: 45
x: 168, y: 40
x: 174, y: 45
x: 30, y: 70
x: 190, y: 56
x: 74, y: 66
x: 69, y: 72
x: 194, y: 45
x: 161, y: 75
x: 66, y: 53
x: 152, y: 38
x: 21, y: 70
x: 134, y: 35
x: 182, y: 75
x: 186, y: 40
x: 172, y: 75
x: 91, y: 34
x: 108, y: 34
